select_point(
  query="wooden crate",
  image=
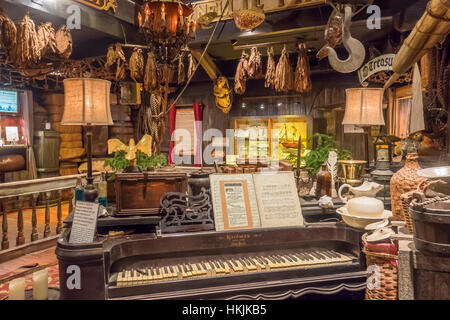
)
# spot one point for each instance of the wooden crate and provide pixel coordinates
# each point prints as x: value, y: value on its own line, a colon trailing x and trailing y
x: 139, y: 193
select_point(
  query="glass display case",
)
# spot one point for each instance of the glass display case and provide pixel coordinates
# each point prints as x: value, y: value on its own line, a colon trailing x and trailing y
x: 271, y: 138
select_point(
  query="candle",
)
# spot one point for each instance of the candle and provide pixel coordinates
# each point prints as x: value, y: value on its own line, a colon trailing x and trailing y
x: 17, y: 289
x: 163, y: 12
x: 40, y: 285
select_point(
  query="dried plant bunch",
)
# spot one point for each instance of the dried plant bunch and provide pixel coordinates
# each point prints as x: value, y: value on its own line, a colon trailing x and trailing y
x: 255, y: 64
x: 137, y: 65
x: 64, y: 42
x: 192, y: 65
x: 47, y: 38
x: 151, y: 82
x: 241, y: 74
x: 27, y: 48
x: 284, y: 76
x: 8, y: 31
x: 302, y: 71
x: 181, y: 72
x: 271, y: 67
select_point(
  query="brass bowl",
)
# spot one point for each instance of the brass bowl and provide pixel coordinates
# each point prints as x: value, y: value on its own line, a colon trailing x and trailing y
x: 351, y: 170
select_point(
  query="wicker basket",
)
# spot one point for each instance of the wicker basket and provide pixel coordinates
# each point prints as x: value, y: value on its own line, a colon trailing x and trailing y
x: 388, y: 289
x: 406, y: 201
x: 384, y: 257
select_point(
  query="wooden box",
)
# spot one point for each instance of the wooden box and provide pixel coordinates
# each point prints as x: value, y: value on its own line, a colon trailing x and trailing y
x: 139, y: 193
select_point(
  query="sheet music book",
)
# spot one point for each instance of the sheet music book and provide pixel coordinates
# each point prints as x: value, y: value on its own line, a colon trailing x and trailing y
x: 245, y: 201
x: 234, y: 202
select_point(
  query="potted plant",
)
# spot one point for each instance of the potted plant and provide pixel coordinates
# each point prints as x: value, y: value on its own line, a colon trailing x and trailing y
x: 316, y: 157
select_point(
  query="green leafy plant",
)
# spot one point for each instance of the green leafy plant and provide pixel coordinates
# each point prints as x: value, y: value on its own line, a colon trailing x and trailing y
x: 119, y: 162
x: 316, y: 157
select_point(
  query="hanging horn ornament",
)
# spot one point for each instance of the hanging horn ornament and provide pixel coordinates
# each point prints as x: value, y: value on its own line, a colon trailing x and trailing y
x: 356, y: 50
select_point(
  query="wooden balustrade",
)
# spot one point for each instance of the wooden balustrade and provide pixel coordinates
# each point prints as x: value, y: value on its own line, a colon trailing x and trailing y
x: 32, y: 189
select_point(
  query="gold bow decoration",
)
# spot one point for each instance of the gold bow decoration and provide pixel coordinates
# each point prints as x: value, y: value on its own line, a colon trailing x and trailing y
x: 223, y: 94
x: 144, y: 145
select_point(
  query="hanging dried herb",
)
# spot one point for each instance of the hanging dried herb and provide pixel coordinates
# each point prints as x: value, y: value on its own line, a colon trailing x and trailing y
x: 271, y: 67
x: 150, y: 74
x: 64, y: 42
x: 302, y: 71
x: 47, y: 38
x: 27, y: 49
x: 121, y: 63
x: 191, y: 67
x: 241, y: 74
x: 8, y: 31
x: 137, y: 65
x: 284, y: 76
x: 255, y: 64
x: 181, y: 72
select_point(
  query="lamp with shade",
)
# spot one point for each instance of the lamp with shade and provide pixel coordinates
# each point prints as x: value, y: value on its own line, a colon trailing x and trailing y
x: 364, y: 108
x: 87, y: 103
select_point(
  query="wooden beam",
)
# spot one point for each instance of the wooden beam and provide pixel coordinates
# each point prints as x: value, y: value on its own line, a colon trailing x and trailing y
x: 207, y: 63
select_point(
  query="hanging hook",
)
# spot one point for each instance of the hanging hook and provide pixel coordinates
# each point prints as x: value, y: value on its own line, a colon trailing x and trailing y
x: 356, y: 50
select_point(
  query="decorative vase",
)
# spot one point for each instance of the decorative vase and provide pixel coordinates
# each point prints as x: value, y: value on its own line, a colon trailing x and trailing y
x: 323, y: 182
x: 404, y: 180
x: 198, y: 180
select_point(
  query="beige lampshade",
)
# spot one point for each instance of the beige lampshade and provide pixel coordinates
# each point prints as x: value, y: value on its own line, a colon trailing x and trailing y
x: 86, y: 102
x: 364, y: 107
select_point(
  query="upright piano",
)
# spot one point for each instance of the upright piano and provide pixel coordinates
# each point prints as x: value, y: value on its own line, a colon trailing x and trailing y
x: 318, y: 260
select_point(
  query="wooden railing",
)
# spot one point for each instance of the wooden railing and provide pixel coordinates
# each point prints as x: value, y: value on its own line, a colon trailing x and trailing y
x: 32, y: 189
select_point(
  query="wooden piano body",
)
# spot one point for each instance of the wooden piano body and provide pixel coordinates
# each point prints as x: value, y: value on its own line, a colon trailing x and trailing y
x: 93, y: 271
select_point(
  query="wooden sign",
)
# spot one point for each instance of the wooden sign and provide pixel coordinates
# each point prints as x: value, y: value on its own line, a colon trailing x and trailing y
x: 84, y: 222
x: 381, y: 63
x: 103, y: 5
x: 205, y: 6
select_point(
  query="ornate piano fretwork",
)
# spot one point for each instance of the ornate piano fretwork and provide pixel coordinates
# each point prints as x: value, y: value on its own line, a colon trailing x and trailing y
x: 183, y: 213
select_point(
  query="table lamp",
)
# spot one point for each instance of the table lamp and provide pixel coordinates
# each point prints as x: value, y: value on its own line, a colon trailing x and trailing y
x: 86, y: 103
x: 364, y: 108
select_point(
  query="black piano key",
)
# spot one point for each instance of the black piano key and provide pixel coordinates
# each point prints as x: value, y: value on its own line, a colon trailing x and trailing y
x: 184, y: 268
x: 157, y: 271
x: 317, y: 255
x: 277, y: 259
x: 251, y: 261
x: 294, y: 258
x: 286, y: 256
x: 172, y: 270
x: 271, y: 259
x: 146, y: 271
x: 166, y: 269
x: 303, y: 256
x: 133, y: 273
x: 221, y: 264
x: 326, y: 254
x: 243, y: 262
x: 264, y: 260
x: 203, y: 265
x: 123, y: 274
x: 334, y: 254
x: 140, y: 271
x: 199, y: 267
x: 152, y: 270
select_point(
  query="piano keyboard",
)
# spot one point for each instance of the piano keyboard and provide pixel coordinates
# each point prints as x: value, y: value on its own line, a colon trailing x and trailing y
x: 214, y: 267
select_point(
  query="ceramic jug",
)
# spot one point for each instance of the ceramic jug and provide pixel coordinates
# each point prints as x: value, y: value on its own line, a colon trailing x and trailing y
x: 367, y: 189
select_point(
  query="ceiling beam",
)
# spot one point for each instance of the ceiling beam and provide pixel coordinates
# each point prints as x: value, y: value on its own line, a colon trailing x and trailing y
x: 207, y: 63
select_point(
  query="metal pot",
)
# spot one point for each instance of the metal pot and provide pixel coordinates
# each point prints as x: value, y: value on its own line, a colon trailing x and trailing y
x: 198, y: 180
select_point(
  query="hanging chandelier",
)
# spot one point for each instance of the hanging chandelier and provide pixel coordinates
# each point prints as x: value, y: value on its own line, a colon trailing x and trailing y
x: 166, y: 28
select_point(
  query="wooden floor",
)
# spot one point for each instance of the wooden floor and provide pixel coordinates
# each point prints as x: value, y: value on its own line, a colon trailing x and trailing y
x: 40, y: 213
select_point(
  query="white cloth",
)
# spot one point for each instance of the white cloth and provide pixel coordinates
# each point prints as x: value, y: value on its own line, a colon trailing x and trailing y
x: 416, y: 121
